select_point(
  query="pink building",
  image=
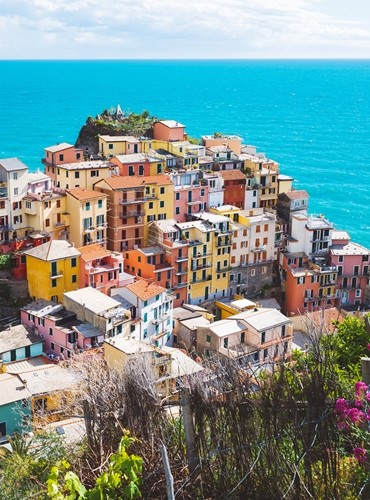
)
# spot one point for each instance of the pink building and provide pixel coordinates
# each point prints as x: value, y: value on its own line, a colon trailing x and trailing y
x: 169, y: 130
x: 63, y: 334
x: 100, y: 268
x: 190, y: 194
x: 352, y: 262
x: 59, y: 155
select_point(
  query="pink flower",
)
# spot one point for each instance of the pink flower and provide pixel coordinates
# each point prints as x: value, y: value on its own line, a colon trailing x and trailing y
x: 341, y: 405
x: 355, y: 416
x: 368, y: 347
x: 360, y: 454
x: 360, y: 388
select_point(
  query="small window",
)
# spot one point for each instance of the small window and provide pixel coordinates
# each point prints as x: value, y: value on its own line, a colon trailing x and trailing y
x: 77, y: 175
x: 53, y: 283
x: 110, y: 146
x: 61, y: 157
x: 208, y: 339
x: 73, y: 262
x: 87, y: 205
x: 100, y: 203
x: 50, y: 331
x: 226, y: 343
x: 162, y: 190
x: 74, y: 278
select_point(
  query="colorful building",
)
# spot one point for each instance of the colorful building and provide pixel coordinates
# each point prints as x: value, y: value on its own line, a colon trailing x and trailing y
x: 234, y: 186
x: 169, y: 130
x: 190, y: 194
x: 138, y: 164
x: 52, y: 269
x: 150, y: 263
x: 89, y: 222
x: 231, y: 141
x: 152, y: 309
x: 111, y: 145
x: 352, y: 263
x: 100, y: 268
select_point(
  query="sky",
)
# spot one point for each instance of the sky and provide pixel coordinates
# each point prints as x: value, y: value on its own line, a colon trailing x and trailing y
x: 184, y: 29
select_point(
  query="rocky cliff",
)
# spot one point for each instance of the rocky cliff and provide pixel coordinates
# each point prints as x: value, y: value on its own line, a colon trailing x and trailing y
x: 113, y: 122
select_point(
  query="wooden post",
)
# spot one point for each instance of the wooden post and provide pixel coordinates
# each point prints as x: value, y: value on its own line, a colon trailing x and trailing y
x: 365, y: 370
x: 187, y: 413
x: 168, y: 473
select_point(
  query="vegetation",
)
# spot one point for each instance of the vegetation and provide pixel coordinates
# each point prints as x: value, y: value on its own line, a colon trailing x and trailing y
x: 5, y: 262
x: 249, y: 435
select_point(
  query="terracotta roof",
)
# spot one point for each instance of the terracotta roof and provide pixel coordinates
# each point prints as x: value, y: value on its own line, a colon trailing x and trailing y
x: 296, y: 195
x: 120, y: 182
x: 144, y: 289
x: 228, y: 175
x: 92, y: 252
x: 84, y: 194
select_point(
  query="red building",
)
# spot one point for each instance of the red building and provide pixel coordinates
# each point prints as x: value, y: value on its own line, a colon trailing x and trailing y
x: 235, y: 185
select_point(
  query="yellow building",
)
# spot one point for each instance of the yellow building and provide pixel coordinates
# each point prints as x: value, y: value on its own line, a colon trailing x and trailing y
x: 159, y: 200
x: 82, y: 174
x: 110, y: 145
x: 89, y: 221
x: 47, y: 212
x: 52, y: 269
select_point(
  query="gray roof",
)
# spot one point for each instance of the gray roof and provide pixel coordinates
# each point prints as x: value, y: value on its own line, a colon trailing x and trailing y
x: 12, y: 389
x: 16, y: 337
x: 59, y: 147
x: 53, y: 250
x: 87, y: 331
x: 11, y: 164
x: 93, y: 300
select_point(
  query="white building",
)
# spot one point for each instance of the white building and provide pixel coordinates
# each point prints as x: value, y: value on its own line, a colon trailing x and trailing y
x: 152, y: 311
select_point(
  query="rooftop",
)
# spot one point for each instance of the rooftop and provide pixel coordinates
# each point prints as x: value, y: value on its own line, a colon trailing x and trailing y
x: 94, y: 251
x: 53, y: 250
x: 59, y: 147
x: 349, y: 249
x: 171, y: 124
x: 144, y: 289
x: 136, y: 158
x: 12, y: 164
x: 16, y: 337
x: 296, y: 195
x: 120, y: 182
x: 129, y: 346
x: 85, y: 194
x: 86, y: 165
x: 119, y: 138
x: 229, y: 175
x: 92, y: 299
x: 262, y: 319
x: 41, y: 308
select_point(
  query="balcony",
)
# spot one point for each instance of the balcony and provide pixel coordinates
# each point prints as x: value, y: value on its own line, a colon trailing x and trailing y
x: 133, y: 213
x: 223, y: 243
x: 160, y: 320
x: 223, y: 269
x: 59, y: 224
x: 132, y: 201
x: 193, y: 243
x: 259, y: 249
x: 101, y: 225
x: 181, y: 285
x: 56, y: 274
x: 202, y: 280
x: 183, y: 258
x: 200, y: 266
x: 89, y: 229
x: 102, y: 268
x: 199, y: 255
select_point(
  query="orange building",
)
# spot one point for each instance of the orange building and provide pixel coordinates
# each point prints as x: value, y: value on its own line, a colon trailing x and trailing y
x: 169, y: 130
x: 150, y: 263
x: 100, y: 268
x: 307, y: 286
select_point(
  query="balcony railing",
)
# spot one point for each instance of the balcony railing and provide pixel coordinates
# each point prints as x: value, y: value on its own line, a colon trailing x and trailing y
x: 201, y: 280
x: 132, y: 201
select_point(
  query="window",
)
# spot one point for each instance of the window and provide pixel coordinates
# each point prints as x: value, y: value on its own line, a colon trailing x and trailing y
x: 52, y: 346
x: 151, y: 205
x: 94, y: 173
x: 61, y: 157
x: 265, y: 353
x: 159, y: 168
x: 73, y: 262
x: 87, y: 205
x: 208, y: 339
x: 177, y: 210
x: 54, y: 298
x: 358, y: 293
x: 145, y: 303
x: 110, y: 146
x: 131, y: 171
x: 340, y: 258
x: 145, y: 317
x: 264, y: 269
x: 263, y: 337
x: 258, y: 229
x: 15, y: 176
x: 15, y: 191
x: 47, y: 222
x: 177, y: 196
x: 53, y: 283
x: 77, y: 175
x: 141, y: 170
x: 74, y: 278
x: 283, y: 330
x: 161, y: 204
x: 50, y: 331
x: 161, y: 190
x: 226, y: 343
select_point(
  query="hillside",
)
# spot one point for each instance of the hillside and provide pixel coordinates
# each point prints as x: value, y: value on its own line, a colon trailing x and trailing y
x: 113, y: 122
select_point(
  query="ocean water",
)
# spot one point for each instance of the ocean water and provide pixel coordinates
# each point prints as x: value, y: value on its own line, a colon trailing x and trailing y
x: 313, y: 117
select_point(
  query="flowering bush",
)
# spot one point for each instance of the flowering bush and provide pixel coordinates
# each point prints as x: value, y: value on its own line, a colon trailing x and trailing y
x: 354, y: 418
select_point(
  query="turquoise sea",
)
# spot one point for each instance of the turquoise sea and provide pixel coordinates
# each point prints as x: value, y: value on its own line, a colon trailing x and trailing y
x: 313, y: 117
